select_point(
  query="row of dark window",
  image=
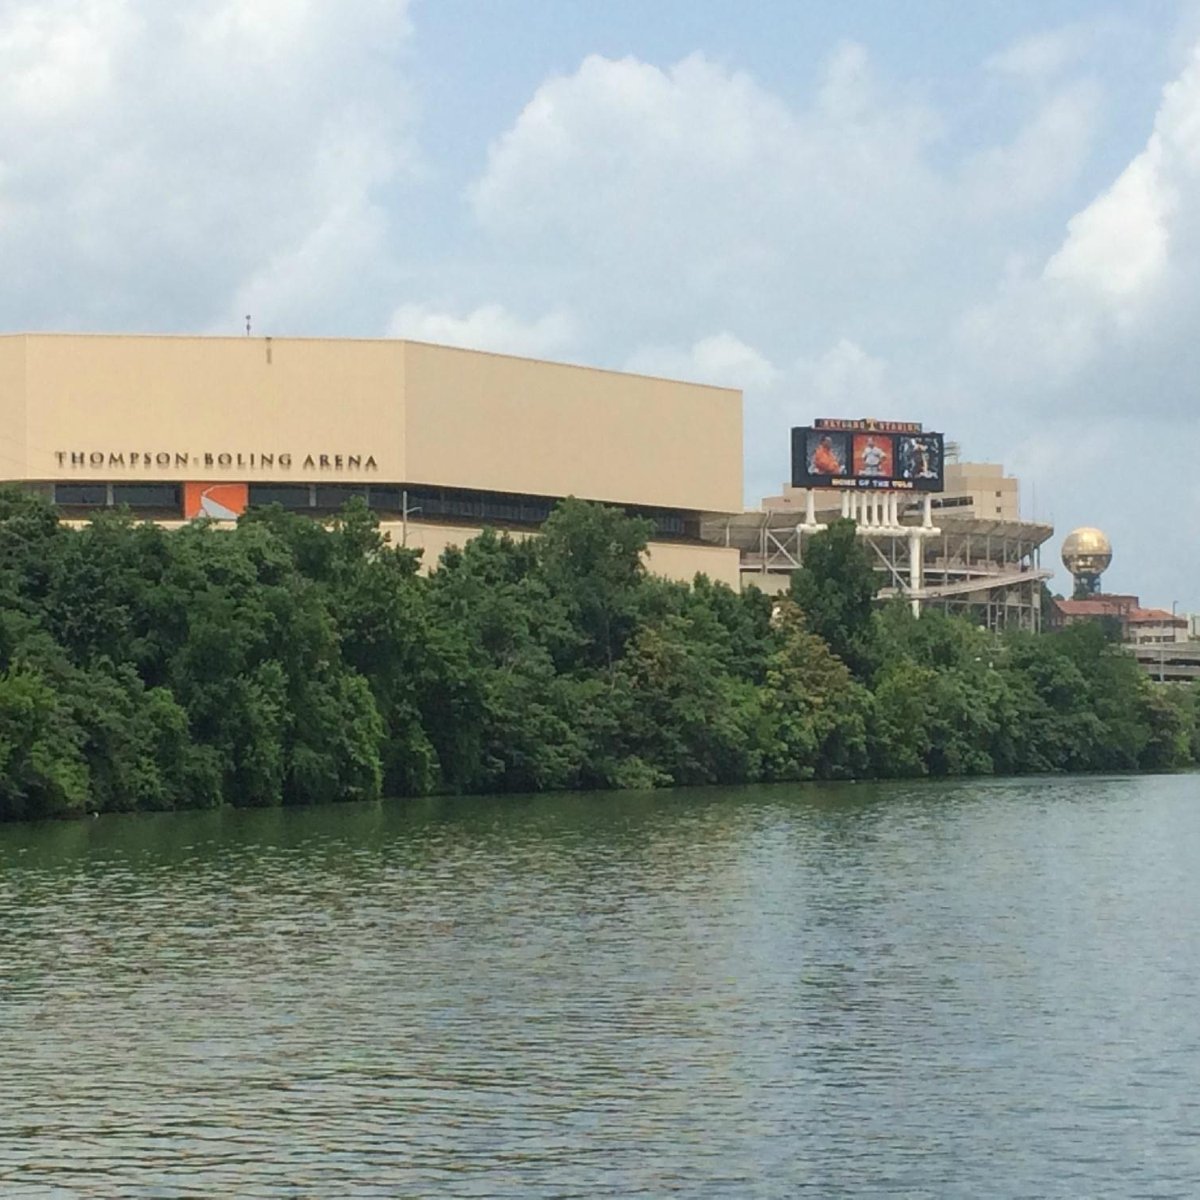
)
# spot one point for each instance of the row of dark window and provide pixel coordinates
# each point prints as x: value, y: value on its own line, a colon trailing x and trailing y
x: 423, y: 503
x: 106, y: 495
x: 433, y: 503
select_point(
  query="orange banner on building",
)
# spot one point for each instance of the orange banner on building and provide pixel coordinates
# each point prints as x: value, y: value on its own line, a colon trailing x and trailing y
x: 216, y: 501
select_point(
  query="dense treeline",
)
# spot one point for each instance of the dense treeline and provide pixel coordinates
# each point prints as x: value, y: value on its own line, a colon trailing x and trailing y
x: 291, y: 663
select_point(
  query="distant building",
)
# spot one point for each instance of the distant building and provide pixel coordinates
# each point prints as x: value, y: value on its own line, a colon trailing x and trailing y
x: 965, y: 550
x: 1150, y: 626
x: 1100, y: 607
x: 979, y: 490
x: 1163, y: 643
x: 1135, y: 624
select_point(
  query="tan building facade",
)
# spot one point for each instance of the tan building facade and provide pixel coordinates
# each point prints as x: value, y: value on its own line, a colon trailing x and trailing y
x: 981, y: 491
x: 439, y: 441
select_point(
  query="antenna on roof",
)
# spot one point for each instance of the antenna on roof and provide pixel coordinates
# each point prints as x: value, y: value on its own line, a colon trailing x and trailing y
x: 247, y: 324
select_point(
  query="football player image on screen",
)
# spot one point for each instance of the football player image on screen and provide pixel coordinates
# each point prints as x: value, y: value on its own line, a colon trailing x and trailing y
x: 919, y: 458
x: 826, y: 456
x: 870, y: 459
x: 872, y: 456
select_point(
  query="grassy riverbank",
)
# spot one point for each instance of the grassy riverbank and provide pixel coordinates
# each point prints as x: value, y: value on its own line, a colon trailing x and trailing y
x: 290, y: 663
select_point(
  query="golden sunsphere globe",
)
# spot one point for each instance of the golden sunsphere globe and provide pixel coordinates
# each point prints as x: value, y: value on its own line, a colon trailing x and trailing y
x: 1086, y: 551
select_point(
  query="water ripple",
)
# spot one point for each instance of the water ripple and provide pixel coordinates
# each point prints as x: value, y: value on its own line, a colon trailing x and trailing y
x: 933, y: 990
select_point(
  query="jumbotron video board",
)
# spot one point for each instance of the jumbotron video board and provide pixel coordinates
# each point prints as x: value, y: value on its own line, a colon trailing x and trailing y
x: 889, y: 455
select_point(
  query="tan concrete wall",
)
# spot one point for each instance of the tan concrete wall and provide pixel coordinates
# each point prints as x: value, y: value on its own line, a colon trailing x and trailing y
x: 199, y: 397
x: 683, y: 561
x: 12, y: 408
x: 431, y: 540
x: 672, y: 560
x: 426, y: 414
x: 773, y: 583
x: 510, y: 425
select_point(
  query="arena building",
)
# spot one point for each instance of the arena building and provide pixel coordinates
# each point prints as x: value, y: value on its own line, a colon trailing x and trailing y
x: 438, y: 441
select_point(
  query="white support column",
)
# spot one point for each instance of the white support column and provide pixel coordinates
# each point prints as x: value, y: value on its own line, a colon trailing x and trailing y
x: 927, y: 518
x: 846, y: 498
x: 810, y: 508
x: 916, y: 569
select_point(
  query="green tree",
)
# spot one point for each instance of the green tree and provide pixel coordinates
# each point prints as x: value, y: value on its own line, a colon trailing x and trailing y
x: 42, y: 768
x: 294, y: 662
x: 590, y: 559
x: 836, y: 589
x: 30, y: 541
x: 681, y: 714
x: 1170, y: 719
x: 815, y: 713
x: 904, y: 717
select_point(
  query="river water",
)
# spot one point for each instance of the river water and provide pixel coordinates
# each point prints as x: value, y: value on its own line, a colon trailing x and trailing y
x: 970, y: 989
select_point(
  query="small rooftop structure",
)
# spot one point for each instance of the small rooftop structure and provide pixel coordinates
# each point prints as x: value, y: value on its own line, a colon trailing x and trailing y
x: 1138, y: 625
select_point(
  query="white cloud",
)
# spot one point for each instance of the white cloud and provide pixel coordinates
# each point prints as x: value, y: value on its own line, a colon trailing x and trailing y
x: 1116, y: 248
x: 615, y: 120
x: 1042, y: 55
x: 848, y: 91
x: 845, y: 378
x: 489, y: 327
x: 721, y: 359
x: 325, y: 262
x: 56, y: 58
x: 157, y: 158
x: 1045, y: 156
x: 695, y: 186
x: 1123, y: 281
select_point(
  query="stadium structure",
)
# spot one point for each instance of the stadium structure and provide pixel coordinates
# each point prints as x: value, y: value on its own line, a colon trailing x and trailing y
x: 965, y: 550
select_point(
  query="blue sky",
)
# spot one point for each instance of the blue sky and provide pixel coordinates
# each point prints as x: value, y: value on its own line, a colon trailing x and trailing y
x: 979, y: 215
